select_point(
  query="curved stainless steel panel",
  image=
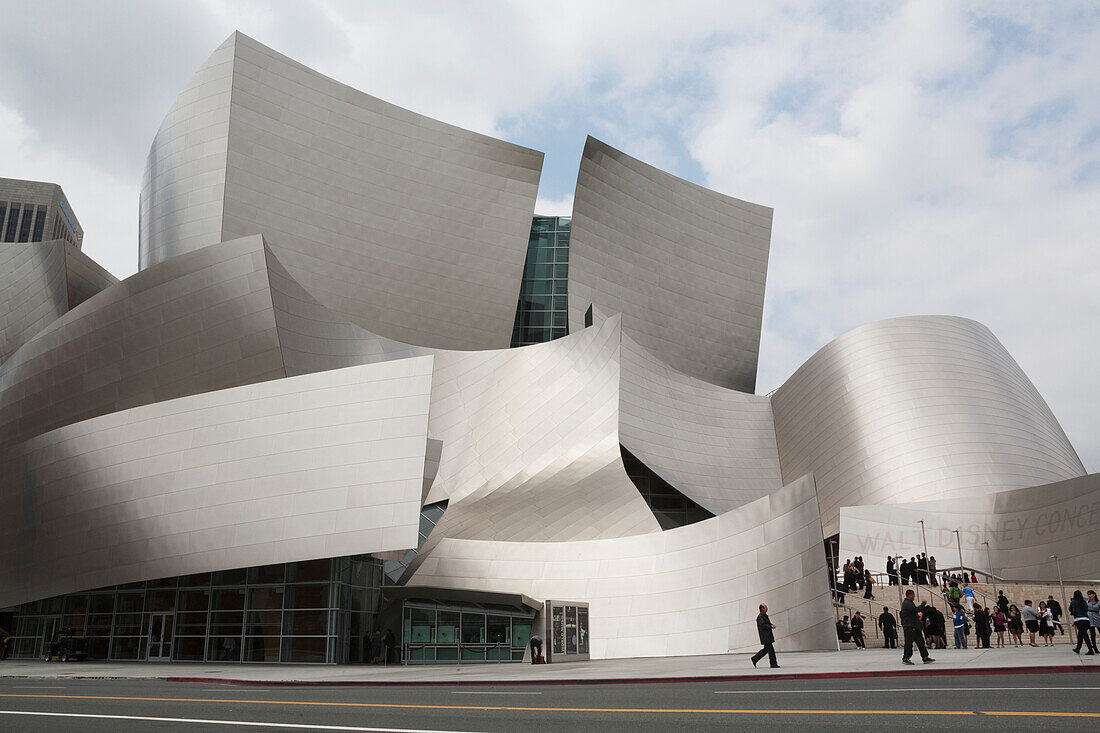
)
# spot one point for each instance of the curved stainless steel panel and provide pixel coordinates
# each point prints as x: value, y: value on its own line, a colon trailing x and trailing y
x: 33, y: 291
x: 1023, y: 527
x: 691, y: 590
x: 39, y: 283
x: 925, y: 407
x: 715, y: 445
x: 183, y: 187
x: 200, y: 322
x: 531, y: 445
x: 409, y: 227
x: 684, y: 265
x: 307, y: 467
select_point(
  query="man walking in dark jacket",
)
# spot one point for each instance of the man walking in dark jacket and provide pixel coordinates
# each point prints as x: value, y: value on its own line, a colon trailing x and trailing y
x: 764, y: 626
x: 911, y: 626
x: 889, y: 626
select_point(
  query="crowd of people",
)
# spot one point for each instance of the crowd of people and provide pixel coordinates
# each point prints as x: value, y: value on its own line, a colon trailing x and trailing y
x: 967, y: 616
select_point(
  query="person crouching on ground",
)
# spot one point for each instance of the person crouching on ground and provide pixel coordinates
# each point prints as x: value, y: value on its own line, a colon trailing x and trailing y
x: 857, y: 631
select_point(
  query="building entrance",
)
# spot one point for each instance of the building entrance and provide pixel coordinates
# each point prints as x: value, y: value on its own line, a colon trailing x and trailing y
x: 160, y: 636
x: 50, y: 626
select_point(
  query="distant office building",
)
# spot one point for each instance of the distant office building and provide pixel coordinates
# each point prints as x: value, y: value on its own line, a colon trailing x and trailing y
x: 36, y: 212
x: 43, y: 272
x: 301, y: 421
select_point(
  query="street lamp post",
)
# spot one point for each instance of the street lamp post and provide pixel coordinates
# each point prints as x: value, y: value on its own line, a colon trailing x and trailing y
x: 924, y: 539
x: 989, y: 559
x: 958, y: 543
x: 897, y: 572
x: 1061, y: 584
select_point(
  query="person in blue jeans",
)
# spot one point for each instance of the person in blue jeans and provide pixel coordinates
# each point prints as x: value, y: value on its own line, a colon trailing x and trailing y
x: 960, y: 628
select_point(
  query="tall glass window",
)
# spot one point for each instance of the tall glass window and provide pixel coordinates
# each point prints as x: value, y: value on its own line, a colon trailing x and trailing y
x: 39, y: 224
x: 309, y: 611
x: 541, y: 314
x: 13, y: 223
x: 25, y: 225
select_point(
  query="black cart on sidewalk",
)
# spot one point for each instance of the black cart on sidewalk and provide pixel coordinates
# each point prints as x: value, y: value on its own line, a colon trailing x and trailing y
x: 66, y: 647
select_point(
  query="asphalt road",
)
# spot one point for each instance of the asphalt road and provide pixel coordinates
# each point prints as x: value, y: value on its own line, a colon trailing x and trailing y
x: 1004, y: 702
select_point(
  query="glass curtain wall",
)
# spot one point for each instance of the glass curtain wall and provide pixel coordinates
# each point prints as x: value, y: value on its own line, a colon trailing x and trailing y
x: 542, y: 314
x: 311, y: 611
x: 436, y: 633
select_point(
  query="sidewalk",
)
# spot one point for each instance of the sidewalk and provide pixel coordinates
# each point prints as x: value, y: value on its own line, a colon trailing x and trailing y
x: 869, y: 663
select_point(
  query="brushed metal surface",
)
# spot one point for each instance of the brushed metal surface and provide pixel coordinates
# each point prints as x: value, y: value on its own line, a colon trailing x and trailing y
x: 307, y: 467
x: 715, y: 445
x: 1023, y: 527
x: 201, y: 322
x: 691, y: 590
x: 531, y: 443
x: 412, y: 228
x: 39, y: 283
x: 907, y: 409
x: 684, y: 265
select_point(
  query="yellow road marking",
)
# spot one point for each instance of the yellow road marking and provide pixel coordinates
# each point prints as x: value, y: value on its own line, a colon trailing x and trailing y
x: 514, y: 708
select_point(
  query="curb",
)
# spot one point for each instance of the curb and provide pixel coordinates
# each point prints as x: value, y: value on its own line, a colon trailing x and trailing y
x: 948, y: 672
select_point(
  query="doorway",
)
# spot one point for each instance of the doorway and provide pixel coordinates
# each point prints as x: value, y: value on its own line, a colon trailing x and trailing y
x: 160, y: 637
x: 51, y: 625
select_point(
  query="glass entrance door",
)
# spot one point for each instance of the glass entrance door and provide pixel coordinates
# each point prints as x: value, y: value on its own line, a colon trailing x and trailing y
x: 50, y: 626
x: 160, y: 637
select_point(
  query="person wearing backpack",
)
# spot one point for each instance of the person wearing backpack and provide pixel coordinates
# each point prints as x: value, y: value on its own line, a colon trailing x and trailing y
x: 953, y: 593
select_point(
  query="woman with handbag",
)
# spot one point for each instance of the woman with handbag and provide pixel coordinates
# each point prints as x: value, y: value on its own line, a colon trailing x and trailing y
x: 1046, y: 624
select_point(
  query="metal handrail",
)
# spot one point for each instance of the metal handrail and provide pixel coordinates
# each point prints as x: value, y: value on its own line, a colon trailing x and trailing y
x: 869, y: 619
x: 1019, y: 581
x: 457, y: 646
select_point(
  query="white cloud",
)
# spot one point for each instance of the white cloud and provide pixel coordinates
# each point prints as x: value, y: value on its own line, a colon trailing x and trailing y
x: 105, y: 205
x: 914, y: 202
x: 562, y: 206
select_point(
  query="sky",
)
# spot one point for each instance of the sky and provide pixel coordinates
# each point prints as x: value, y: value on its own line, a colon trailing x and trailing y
x: 921, y: 157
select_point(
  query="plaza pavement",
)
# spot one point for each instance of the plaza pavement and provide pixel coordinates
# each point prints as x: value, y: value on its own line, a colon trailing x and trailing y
x: 871, y: 662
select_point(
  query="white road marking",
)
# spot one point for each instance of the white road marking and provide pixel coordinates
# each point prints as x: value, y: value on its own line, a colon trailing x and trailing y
x: 900, y: 689
x: 17, y: 687
x: 491, y: 692
x: 250, y: 723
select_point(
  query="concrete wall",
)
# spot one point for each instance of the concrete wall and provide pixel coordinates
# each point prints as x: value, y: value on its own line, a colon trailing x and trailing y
x: 1024, y: 527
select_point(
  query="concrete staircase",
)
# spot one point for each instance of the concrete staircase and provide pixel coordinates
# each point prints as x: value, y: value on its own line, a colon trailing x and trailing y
x: 985, y: 595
